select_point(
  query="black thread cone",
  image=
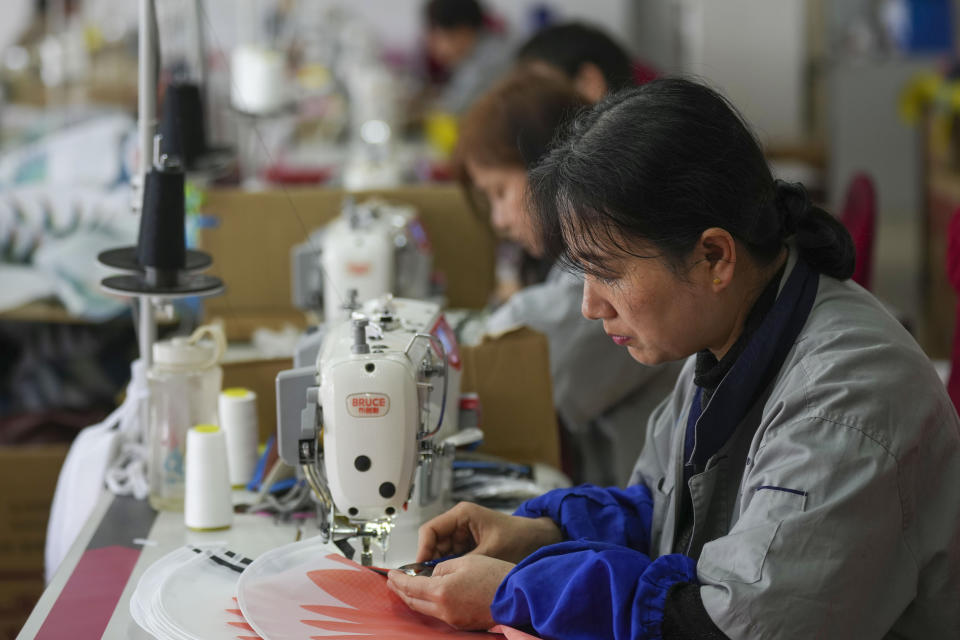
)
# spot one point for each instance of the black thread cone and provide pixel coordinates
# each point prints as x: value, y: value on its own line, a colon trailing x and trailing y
x: 162, y: 240
x: 182, y: 128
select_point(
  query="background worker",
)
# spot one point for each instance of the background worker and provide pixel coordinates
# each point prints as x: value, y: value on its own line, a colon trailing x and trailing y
x: 603, y: 398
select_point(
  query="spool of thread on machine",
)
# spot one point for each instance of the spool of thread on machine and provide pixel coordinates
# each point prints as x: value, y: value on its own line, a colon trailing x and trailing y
x: 161, y: 265
x: 161, y: 248
x: 182, y: 125
x: 258, y: 80
x: 238, y: 420
x: 208, y: 505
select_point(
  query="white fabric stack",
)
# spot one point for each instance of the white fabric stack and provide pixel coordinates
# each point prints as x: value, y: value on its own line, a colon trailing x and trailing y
x: 199, y: 592
x: 189, y: 594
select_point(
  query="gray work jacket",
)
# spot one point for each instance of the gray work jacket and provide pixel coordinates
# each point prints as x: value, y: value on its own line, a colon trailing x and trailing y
x: 489, y: 59
x: 603, y: 396
x: 833, y: 511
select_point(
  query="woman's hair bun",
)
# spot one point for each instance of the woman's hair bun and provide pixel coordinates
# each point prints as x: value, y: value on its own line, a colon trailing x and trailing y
x: 793, y: 205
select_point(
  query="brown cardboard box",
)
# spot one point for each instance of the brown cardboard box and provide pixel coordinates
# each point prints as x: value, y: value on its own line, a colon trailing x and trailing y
x: 510, y: 373
x: 28, y: 476
x: 253, y: 233
x: 17, y: 598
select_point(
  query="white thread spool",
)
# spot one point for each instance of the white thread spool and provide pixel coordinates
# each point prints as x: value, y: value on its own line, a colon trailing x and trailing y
x: 258, y: 80
x: 208, y: 505
x: 238, y: 419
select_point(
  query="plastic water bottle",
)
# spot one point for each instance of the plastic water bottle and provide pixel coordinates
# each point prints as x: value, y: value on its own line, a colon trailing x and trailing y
x: 184, y: 384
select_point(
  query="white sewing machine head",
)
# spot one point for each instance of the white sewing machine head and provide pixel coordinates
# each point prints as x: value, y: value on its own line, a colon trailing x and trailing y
x: 362, y: 421
x: 374, y: 248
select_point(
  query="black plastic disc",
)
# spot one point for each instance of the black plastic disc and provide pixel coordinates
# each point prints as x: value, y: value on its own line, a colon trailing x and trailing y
x: 193, y: 284
x: 125, y: 258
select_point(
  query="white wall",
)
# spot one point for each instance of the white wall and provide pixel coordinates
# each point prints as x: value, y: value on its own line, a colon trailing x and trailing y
x: 754, y: 51
x: 16, y: 17
x: 866, y: 134
x: 655, y: 33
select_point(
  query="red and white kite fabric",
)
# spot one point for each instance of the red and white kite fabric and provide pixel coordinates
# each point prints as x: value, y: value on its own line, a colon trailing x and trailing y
x: 289, y: 594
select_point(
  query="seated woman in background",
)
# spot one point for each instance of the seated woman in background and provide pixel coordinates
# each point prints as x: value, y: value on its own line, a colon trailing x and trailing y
x: 603, y: 398
x: 800, y: 482
x: 458, y: 39
x: 591, y: 59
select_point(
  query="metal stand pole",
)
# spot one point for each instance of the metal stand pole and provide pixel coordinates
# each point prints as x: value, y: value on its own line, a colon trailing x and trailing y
x: 199, y: 45
x: 147, y: 107
x: 147, y: 85
x: 147, y: 334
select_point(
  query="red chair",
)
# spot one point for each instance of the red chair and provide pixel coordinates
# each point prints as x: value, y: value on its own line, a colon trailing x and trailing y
x: 860, y: 218
x: 953, y: 275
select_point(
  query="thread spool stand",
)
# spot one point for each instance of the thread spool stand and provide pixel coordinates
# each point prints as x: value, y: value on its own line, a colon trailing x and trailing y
x: 160, y: 266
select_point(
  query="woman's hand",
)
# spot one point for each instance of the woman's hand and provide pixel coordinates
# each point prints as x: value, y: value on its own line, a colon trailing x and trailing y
x: 470, y: 528
x: 459, y: 592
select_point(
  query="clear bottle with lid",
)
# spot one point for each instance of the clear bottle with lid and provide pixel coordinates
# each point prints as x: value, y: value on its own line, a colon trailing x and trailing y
x: 184, y: 383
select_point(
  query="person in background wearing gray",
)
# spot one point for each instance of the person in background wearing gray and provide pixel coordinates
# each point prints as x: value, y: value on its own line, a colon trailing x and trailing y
x: 602, y: 396
x: 459, y: 40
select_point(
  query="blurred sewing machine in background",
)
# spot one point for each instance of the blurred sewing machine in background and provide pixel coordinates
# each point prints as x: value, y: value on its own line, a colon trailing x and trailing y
x: 372, y: 247
x: 373, y: 423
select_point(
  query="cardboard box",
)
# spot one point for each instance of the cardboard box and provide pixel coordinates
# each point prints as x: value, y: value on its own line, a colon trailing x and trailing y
x: 510, y: 373
x: 17, y: 599
x: 250, y: 236
x: 29, y: 477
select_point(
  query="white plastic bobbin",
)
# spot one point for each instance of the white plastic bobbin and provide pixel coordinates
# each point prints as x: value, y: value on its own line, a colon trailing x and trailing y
x: 238, y: 418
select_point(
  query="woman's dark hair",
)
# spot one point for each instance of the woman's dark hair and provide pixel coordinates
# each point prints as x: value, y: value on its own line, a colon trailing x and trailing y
x: 514, y: 123
x: 660, y: 164
x: 568, y: 46
x: 450, y: 14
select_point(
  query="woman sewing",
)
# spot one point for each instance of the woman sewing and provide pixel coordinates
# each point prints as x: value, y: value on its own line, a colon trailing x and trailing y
x: 603, y: 398
x: 800, y: 482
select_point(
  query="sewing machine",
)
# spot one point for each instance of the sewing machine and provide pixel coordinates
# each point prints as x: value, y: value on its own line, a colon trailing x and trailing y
x: 372, y: 247
x: 373, y: 423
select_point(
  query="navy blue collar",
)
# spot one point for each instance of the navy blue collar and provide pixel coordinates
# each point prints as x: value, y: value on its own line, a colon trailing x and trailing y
x: 709, y: 371
x: 708, y: 430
